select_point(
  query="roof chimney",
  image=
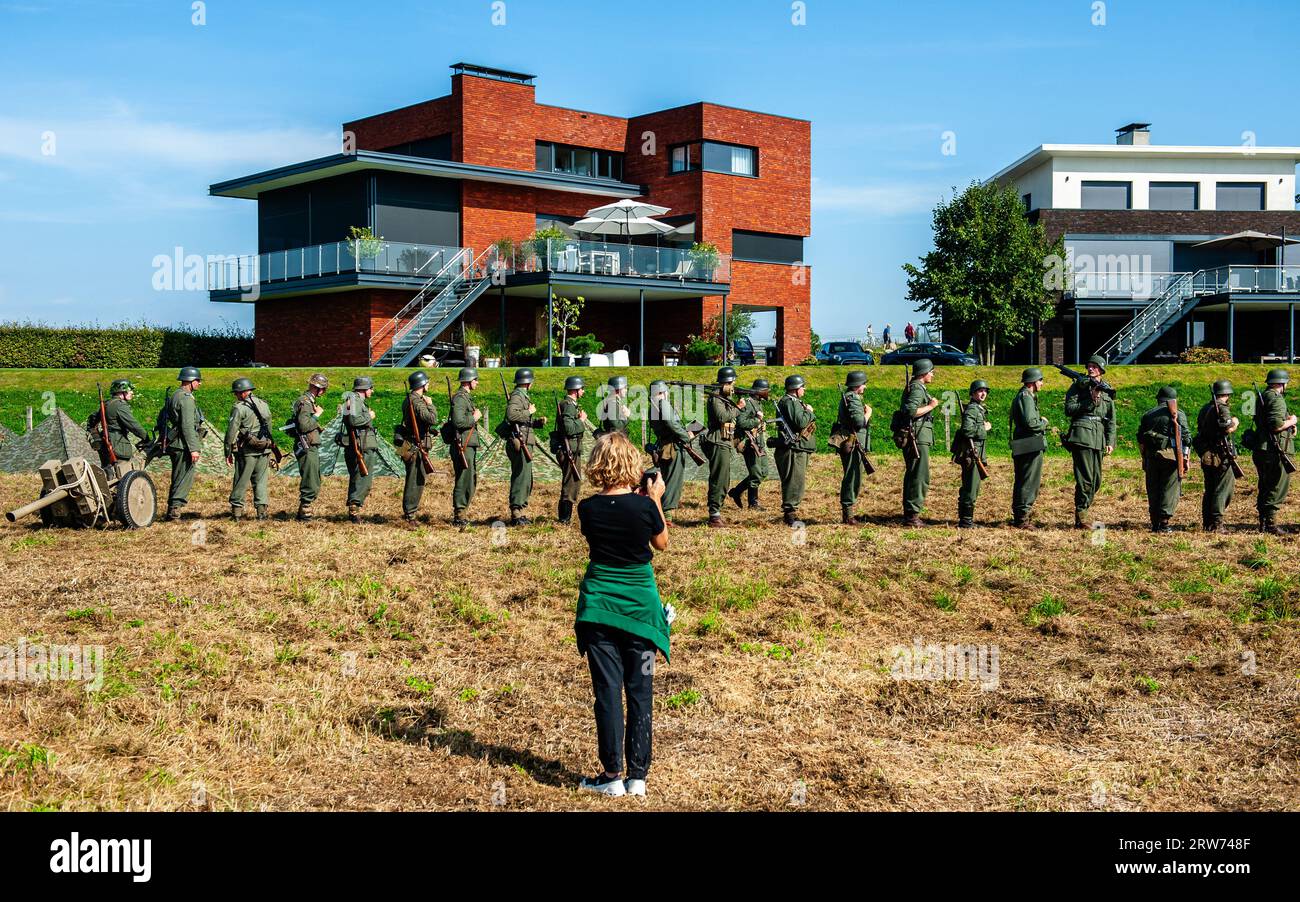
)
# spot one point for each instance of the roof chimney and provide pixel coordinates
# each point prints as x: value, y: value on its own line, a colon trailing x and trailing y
x: 1134, y: 133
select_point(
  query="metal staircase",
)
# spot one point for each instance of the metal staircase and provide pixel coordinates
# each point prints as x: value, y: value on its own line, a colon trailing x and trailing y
x: 1153, y: 321
x: 442, y: 299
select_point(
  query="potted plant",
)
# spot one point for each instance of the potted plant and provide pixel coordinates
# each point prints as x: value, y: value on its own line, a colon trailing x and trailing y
x: 364, y: 244
x: 565, y: 313
x: 584, y: 346
x: 529, y: 355
x: 704, y: 259
x: 474, y: 340
x: 701, y: 351
x: 536, y: 243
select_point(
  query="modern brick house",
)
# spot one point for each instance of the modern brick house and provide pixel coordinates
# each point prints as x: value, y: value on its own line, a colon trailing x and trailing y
x: 1172, y: 246
x: 444, y: 180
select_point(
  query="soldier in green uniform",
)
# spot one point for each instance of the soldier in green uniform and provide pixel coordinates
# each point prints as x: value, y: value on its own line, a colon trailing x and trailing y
x: 972, y: 433
x: 1271, y: 417
x: 853, y: 429
x: 918, y: 406
x: 1028, y: 442
x: 463, y: 423
x: 721, y: 426
x: 520, y: 421
x: 1091, y: 435
x: 121, y: 426
x: 1214, y: 444
x: 1156, y: 438
x: 570, y: 426
x: 360, y: 442
x: 248, y: 448
x: 183, y: 446
x: 671, y: 437
x: 305, y: 423
x: 795, y: 444
x: 751, y: 424
x: 419, y: 422
x: 613, y: 411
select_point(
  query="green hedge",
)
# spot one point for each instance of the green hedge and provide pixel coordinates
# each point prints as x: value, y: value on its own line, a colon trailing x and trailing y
x: 28, y: 346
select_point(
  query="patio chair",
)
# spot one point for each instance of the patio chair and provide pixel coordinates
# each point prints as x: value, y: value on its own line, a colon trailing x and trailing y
x: 683, y: 270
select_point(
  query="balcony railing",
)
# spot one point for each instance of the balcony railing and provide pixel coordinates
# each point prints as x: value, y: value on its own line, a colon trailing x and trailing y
x: 611, y: 258
x: 389, y: 257
x: 1121, y: 285
x: 1225, y: 279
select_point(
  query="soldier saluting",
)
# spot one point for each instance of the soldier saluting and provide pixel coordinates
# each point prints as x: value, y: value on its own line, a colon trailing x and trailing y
x: 304, y: 421
x: 1215, y: 425
x: 613, y: 410
x: 1162, y: 436
x: 183, y: 420
x: 721, y: 426
x: 359, y: 443
x: 795, y: 443
x: 1091, y: 434
x: 248, y: 447
x: 570, y: 427
x: 1028, y: 442
x: 671, y: 439
x: 414, y: 439
x: 852, y: 429
x: 1274, y: 443
x: 973, y: 432
x: 462, y: 429
x: 120, y: 424
x: 752, y: 426
x: 521, y: 419
x: 919, y: 407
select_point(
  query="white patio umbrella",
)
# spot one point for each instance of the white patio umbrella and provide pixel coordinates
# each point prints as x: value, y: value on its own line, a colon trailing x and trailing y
x: 623, y: 217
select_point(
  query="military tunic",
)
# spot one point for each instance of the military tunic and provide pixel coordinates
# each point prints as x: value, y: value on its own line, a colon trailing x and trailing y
x: 670, y: 435
x: 358, y: 425
x: 719, y: 428
x: 851, y: 417
x: 1026, y: 423
x: 1092, y: 430
x: 754, y: 452
x: 306, y: 447
x: 182, y: 439
x: 613, y: 413
x: 465, y: 474
x: 973, y: 429
x: 1273, y: 478
x: 250, y: 418
x: 792, y: 460
x: 122, y: 426
x: 916, y: 462
x: 1213, y: 439
x: 419, y: 417
x: 1156, y: 439
x: 521, y: 468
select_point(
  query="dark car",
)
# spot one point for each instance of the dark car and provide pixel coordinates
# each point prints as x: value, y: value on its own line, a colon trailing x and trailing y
x: 744, y: 349
x: 844, y: 353
x: 936, y: 353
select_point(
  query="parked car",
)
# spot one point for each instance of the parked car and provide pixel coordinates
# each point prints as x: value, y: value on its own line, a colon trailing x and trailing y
x: 844, y: 353
x: 938, y: 355
x: 744, y: 349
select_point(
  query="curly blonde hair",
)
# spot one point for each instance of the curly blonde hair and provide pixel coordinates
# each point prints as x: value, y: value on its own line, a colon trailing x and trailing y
x: 614, y: 463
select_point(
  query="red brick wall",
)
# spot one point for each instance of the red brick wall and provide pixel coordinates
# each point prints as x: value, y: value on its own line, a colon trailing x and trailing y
x: 318, y: 330
x: 412, y: 123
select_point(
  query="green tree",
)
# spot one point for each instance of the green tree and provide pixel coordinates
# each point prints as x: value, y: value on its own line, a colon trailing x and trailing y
x: 739, y: 322
x: 989, y: 271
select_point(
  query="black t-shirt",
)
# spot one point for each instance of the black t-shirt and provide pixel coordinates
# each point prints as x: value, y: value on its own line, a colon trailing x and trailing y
x: 619, y: 527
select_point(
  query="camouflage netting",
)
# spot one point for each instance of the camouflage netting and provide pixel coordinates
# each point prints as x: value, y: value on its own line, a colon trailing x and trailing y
x: 56, y: 437
x: 332, y: 462
x: 212, y: 452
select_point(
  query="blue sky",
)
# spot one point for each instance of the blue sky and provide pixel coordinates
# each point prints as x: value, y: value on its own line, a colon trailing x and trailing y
x: 147, y: 109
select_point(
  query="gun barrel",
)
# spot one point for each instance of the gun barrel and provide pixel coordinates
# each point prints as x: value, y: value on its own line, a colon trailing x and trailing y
x: 53, y: 497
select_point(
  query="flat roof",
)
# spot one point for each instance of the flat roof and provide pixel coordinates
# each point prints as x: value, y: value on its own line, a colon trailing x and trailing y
x: 1045, y: 152
x: 522, y: 78
x: 250, y: 186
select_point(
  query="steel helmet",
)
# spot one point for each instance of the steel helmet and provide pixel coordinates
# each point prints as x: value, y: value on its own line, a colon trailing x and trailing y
x: 855, y: 378
x: 761, y: 385
x: 617, y: 382
x: 573, y: 383
x: 1222, y: 387
x: 120, y: 385
x: 794, y: 381
x: 363, y: 383
x: 418, y: 379
x: 1166, y: 393
x: 977, y: 385
x: 1031, y: 374
x: 922, y: 366
x: 467, y: 374
x: 1098, y: 361
x: 524, y: 376
x: 1276, y: 377
x: 726, y: 374
x: 190, y: 374
x: 658, y: 386
x: 319, y: 380
x: 243, y: 383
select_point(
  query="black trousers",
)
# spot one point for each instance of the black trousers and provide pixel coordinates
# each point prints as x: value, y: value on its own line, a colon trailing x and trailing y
x: 620, y: 661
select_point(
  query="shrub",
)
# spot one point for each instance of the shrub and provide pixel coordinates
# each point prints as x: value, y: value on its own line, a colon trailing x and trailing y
x: 582, y: 345
x: 700, y: 351
x: 1205, y: 355
x: 35, y: 346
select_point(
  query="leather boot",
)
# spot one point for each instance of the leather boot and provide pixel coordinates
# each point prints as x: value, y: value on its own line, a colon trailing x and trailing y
x: 736, y: 495
x: 173, y: 514
x: 753, y: 500
x: 715, y: 520
x: 913, y: 520
x: 1079, y: 522
x: 304, y: 512
x: 517, y: 517
x: 565, y: 512
x: 846, y: 516
x: 1269, y: 527
x: 261, y: 512
x: 790, y: 518
x: 458, y: 517
x: 236, y: 513
x: 354, y: 513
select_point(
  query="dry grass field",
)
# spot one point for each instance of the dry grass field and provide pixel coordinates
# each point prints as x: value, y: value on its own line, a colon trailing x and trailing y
x: 327, y: 666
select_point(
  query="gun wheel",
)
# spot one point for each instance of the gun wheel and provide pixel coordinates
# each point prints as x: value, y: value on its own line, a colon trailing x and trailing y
x: 136, y: 502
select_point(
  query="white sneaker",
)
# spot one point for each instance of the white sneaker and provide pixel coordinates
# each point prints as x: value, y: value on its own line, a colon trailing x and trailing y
x: 635, y: 787
x: 610, y: 786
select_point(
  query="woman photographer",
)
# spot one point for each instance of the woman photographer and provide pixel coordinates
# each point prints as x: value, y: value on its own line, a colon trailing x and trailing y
x: 621, y: 621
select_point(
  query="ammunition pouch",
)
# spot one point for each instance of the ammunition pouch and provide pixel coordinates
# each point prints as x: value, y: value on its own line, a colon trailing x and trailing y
x: 1213, y: 460
x: 252, y: 444
x: 447, y: 432
x: 668, y: 451
x: 1030, y: 444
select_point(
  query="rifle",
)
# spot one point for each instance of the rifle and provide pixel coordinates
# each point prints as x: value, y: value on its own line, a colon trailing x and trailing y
x: 1288, y: 465
x: 449, y: 432
x: 968, y: 452
x: 103, y: 425
x: 1179, y: 459
x: 425, y: 463
x: 277, y: 456
x: 158, y: 447
x: 567, y: 453
x: 1099, y: 384
x: 1228, y: 450
x: 516, y: 431
x: 352, y: 437
x: 713, y: 390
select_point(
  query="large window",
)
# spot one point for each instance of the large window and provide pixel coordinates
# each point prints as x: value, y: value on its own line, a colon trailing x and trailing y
x: 764, y: 247
x: 1239, y: 195
x: 605, y: 164
x: 1107, y: 195
x: 1174, y: 196
x: 713, y: 156
x: 436, y: 148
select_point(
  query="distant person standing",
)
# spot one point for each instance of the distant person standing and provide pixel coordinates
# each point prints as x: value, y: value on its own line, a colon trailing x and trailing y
x: 870, y: 340
x: 1272, y: 419
x: 183, y: 444
x: 1028, y: 442
x: 909, y: 333
x: 885, y: 337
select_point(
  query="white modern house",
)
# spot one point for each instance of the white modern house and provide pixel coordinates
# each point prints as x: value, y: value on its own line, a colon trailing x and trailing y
x: 1170, y: 246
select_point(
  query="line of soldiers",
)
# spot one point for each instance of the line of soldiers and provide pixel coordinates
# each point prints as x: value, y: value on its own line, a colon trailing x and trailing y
x: 735, y: 420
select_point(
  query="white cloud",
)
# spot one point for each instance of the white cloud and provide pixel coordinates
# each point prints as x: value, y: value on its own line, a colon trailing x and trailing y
x: 881, y: 200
